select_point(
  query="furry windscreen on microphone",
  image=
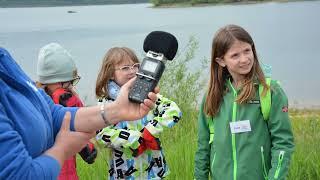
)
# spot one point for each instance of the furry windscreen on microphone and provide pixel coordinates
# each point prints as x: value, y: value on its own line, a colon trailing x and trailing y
x: 161, y: 42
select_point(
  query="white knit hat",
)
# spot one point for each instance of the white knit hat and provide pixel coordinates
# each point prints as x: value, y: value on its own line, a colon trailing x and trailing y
x: 55, y: 64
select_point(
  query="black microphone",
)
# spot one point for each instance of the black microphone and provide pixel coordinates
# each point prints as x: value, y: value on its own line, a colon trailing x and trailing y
x: 159, y: 47
x: 161, y: 42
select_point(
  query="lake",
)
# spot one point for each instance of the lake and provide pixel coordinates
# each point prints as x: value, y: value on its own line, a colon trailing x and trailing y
x: 286, y: 36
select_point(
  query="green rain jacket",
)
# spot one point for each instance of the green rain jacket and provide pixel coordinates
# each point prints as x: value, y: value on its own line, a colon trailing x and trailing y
x: 262, y: 153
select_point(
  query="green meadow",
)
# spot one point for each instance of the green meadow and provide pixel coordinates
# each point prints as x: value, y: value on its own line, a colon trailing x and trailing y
x: 179, y: 143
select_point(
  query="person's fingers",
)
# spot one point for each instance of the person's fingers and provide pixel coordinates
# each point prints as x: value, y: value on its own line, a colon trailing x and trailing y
x: 130, y: 83
x: 91, y: 135
x: 144, y: 107
x: 66, y: 122
x: 148, y: 103
x: 152, y: 96
x: 156, y: 90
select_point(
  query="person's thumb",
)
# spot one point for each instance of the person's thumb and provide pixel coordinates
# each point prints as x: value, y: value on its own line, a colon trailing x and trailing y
x: 129, y: 84
x: 66, y: 122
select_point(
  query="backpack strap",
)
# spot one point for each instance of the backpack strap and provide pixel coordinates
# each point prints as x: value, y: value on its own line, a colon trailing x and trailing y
x: 265, y: 101
x: 211, y: 128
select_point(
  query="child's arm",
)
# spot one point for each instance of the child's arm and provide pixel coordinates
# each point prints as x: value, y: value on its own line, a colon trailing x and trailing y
x: 202, y: 157
x: 165, y: 114
x: 281, y: 134
x: 116, y: 138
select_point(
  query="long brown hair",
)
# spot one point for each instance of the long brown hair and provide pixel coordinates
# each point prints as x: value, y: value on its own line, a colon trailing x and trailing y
x: 222, y: 42
x: 113, y: 57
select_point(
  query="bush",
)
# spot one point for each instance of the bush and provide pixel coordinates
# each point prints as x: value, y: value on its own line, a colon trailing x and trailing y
x: 184, y: 87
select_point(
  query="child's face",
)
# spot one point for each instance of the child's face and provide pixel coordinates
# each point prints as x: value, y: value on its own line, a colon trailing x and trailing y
x: 238, y: 60
x: 125, y: 71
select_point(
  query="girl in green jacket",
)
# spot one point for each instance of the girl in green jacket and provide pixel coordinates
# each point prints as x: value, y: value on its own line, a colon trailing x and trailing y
x: 244, y: 145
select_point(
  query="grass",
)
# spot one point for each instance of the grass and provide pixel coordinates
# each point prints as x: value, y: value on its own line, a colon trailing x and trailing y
x: 180, y: 146
x: 179, y: 143
x: 305, y: 163
x: 97, y: 170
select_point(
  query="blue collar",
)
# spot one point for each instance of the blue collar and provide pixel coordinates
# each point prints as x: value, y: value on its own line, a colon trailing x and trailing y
x: 113, y: 89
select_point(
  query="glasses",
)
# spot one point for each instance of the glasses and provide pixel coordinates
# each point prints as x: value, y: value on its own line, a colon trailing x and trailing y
x: 72, y: 83
x: 75, y: 81
x: 134, y: 67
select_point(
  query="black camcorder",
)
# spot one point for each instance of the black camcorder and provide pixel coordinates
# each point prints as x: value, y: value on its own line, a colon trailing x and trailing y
x: 159, y: 46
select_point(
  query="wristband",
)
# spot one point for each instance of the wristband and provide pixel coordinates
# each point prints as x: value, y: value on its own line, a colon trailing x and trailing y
x: 102, y: 111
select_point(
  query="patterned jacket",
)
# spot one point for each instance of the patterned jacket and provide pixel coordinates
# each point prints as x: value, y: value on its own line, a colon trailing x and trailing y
x: 125, y: 136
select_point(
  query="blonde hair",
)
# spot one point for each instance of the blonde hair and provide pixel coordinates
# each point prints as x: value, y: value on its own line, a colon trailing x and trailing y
x: 43, y: 86
x: 113, y: 57
x: 222, y: 42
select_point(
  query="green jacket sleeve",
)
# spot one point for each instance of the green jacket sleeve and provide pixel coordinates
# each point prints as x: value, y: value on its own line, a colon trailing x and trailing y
x: 281, y: 134
x: 165, y: 115
x: 202, y: 156
x: 116, y: 138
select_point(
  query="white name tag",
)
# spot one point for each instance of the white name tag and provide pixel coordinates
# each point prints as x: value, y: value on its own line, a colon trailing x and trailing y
x: 240, y: 126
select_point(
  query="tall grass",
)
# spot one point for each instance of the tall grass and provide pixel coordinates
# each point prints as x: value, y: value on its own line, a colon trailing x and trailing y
x: 184, y: 87
x: 305, y: 163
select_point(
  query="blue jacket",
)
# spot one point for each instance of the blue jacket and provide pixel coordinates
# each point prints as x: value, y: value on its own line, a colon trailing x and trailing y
x: 29, y: 122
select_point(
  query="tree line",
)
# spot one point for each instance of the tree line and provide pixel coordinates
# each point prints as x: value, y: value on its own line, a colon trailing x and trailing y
x: 194, y: 2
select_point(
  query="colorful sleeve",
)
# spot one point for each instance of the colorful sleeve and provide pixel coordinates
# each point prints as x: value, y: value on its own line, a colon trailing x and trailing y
x: 115, y: 138
x: 165, y: 114
x: 202, y: 156
x: 281, y: 134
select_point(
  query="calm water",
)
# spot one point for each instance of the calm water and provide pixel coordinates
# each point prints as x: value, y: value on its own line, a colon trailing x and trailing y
x: 286, y: 35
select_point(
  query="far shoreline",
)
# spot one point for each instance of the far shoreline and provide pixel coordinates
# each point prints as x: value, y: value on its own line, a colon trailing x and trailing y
x: 168, y: 5
x: 188, y: 4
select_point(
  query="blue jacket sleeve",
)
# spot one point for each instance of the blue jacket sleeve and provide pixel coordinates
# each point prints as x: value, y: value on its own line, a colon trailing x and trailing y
x: 15, y: 161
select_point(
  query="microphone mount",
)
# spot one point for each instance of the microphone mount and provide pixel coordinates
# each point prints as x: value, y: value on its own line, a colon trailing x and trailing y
x: 157, y: 56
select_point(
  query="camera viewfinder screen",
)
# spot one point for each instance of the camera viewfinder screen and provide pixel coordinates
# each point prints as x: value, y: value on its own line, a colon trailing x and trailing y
x: 150, y: 66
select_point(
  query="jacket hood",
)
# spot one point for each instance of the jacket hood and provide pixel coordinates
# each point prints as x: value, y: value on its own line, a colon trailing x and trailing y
x: 9, y: 67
